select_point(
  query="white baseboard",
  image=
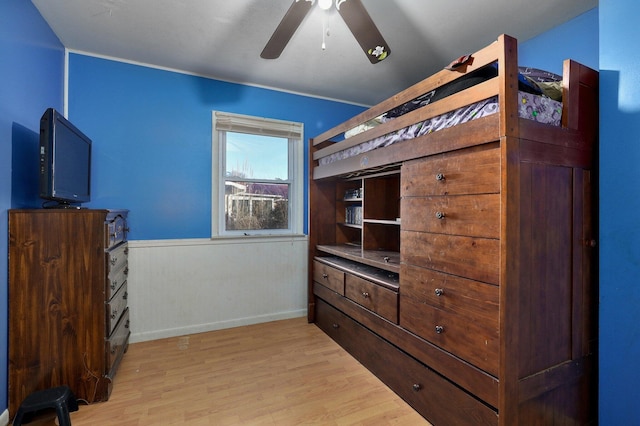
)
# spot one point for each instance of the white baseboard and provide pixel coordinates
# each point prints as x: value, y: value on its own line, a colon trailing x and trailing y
x: 202, y: 328
x: 4, y: 418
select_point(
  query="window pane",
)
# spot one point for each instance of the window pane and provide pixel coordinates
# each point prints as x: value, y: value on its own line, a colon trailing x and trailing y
x: 255, y: 206
x: 256, y: 156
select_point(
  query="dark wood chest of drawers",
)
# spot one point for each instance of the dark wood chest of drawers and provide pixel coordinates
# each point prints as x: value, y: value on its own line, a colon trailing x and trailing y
x: 489, y: 303
x: 68, y: 314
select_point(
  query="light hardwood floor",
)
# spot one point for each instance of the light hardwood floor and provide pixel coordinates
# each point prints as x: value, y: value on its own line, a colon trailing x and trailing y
x: 280, y: 373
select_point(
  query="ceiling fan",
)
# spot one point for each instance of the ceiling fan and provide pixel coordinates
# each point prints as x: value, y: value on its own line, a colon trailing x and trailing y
x: 352, y: 12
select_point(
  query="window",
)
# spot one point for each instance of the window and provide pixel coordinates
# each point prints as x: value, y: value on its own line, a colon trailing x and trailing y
x: 257, y: 176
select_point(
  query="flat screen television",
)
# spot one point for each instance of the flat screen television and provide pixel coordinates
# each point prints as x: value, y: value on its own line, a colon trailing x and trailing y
x: 65, y: 162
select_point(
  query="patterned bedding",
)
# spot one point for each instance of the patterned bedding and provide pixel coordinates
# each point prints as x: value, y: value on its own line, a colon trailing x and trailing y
x: 531, y: 106
x: 539, y: 99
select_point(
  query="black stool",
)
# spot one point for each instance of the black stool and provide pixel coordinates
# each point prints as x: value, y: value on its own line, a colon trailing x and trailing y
x: 61, y: 398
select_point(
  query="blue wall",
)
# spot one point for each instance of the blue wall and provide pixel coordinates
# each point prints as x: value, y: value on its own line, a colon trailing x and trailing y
x: 619, y: 212
x: 31, y: 79
x: 576, y: 39
x: 151, y: 132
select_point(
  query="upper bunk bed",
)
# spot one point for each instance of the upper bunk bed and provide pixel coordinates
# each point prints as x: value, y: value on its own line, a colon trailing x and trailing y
x: 478, y: 98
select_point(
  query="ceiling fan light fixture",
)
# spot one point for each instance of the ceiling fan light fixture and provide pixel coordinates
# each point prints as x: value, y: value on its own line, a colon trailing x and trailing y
x: 325, y: 4
x: 352, y: 12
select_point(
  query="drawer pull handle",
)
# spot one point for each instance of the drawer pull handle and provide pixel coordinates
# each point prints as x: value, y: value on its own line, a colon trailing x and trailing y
x: 440, y: 215
x: 416, y: 387
x: 387, y: 259
x: 439, y: 329
x: 439, y: 291
x: 440, y: 176
x: 365, y: 294
x: 114, y: 260
x: 334, y: 325
x: 114, y: 314
x: 325, y: 276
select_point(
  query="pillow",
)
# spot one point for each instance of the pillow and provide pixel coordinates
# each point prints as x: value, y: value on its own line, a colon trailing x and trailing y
x: 552, y: 89
x: 478, y: 76
x: 364, y: 127
x: 527, y: 82
x: 539, y: 76
x: 549, y: 83
x: 418, y: 102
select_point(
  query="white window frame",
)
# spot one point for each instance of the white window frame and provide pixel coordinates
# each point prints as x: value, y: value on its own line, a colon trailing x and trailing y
x: 223, y: 122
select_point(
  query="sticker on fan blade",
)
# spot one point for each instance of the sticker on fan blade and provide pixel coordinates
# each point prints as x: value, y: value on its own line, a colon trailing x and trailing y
x: 379, y: 52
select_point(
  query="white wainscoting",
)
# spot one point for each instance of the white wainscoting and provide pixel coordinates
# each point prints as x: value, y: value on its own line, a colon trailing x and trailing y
x: 179, y: 287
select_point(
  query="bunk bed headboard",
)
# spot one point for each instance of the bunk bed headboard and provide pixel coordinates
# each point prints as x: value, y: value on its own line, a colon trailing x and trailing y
x: 580, y: 97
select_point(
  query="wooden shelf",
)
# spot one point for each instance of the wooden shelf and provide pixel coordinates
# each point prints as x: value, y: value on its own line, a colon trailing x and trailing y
x: 375, y: 239
x: 351, y: 225
x: 387, y: 260
x: 382, y: 221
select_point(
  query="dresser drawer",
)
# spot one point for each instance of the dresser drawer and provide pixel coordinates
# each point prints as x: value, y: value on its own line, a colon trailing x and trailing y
x: 117, y: 258
x: 473, y: 300
x: 115, y: 281
x: 329, y: 277
x: 470, y: 171
x: 115, y: 228
x: 378, y: 299
x: 434, y: 397
x: 117, y: 343
x: 470, y: 215
x: 474, y: 341
x: 470, y: 257
x: 115, y: 307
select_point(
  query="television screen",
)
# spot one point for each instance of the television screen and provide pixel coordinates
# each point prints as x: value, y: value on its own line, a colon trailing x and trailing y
x: 65, y: 161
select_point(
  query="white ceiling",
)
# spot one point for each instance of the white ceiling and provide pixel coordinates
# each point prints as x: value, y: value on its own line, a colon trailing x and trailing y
x: 223, y: 39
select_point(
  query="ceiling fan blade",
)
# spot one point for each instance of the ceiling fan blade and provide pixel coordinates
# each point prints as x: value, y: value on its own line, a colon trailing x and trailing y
x: 287, y: 27
x: 364, y: 30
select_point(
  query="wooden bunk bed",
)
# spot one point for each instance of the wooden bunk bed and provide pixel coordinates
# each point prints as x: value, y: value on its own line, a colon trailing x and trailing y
x: 458, y: 265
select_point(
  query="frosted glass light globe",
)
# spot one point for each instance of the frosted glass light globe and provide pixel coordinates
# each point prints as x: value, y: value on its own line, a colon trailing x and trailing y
x: 325, y: 4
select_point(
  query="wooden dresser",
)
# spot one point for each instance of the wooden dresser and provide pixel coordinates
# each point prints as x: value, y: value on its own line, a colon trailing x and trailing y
x: 483, y: 276
x: 68, y: 315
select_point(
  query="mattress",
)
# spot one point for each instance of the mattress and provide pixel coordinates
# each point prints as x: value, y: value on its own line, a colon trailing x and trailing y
x: 530, y: 106
x: 539, y: 99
